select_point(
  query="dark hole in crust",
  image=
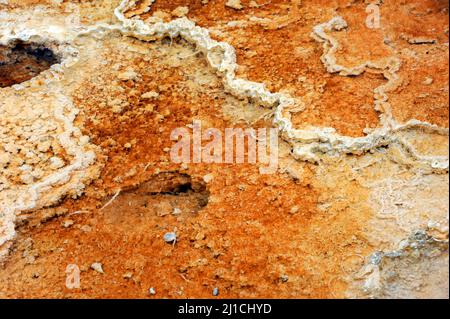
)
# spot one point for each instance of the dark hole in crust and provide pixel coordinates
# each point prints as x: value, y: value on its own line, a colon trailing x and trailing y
x: 175, y: 184
x: 171, y: 183
x: 24, y: 61
x: 159, y: 196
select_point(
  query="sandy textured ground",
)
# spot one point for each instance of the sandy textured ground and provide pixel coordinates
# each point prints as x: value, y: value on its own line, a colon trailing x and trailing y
x: 357, y: 209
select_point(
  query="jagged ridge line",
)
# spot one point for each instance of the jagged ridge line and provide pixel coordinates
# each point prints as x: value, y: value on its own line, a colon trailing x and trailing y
x: 389, y: 71
x: 318, y: 139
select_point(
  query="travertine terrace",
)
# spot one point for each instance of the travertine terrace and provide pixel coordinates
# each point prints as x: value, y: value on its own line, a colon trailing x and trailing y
x: 89, y: 95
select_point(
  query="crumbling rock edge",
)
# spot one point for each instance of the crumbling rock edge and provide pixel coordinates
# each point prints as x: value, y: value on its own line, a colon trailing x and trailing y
x: 72, y: 141
x: 385, y: 272
x: 306, y: 144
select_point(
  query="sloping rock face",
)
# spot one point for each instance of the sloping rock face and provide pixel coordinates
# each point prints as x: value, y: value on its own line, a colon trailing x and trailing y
x: 91, y: 92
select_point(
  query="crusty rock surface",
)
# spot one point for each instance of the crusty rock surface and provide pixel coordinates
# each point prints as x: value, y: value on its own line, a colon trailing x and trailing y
x: 358, y: 207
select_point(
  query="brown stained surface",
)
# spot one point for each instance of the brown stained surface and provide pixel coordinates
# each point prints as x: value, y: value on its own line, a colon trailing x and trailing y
x: 331, y: 111
x: 209, y: 250
x: 23, y: 62
x: 416, y: 98
x: 237, y: 232
x: 288, y: 59
x: 26, y: 3
x: 295, y: 67
x: 238, y: 213
x: 282, y: 54
x: 427, y: 89
x: 281, y: 57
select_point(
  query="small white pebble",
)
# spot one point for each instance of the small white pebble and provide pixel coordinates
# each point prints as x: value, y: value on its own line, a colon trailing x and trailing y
x: 127, y: 275
x: 208, y: 178
x: 67, y: 223
x: 428, y: 81
x: 84, y: 140
x: 56, y: 162
x: 152, y: 291
x: 235, y: 4
x: 170, y: 237
x: 150, y: 95
x: 98, y: 267
x: 86, y: 228
x: 128, y: 75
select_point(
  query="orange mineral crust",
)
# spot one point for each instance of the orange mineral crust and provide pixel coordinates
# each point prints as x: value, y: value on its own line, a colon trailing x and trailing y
x: 353, y: 96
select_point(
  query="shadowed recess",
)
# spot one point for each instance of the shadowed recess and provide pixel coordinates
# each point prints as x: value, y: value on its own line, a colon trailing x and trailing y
x: 21, y: 62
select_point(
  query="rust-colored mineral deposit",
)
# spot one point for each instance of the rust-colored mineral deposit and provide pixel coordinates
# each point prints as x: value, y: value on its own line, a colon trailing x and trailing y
x: 91, y: 93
